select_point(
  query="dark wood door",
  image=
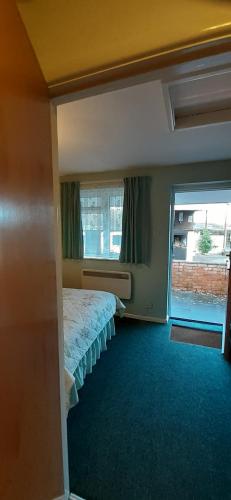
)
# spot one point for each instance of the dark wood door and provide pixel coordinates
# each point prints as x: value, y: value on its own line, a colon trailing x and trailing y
x: 30, y: 440
x: 227, y: 349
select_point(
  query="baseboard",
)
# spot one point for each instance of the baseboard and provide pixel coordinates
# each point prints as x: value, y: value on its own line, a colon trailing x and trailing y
x: 151, y: 319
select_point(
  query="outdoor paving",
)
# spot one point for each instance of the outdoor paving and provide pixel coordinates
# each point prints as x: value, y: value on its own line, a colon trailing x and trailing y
x: 198, y: 306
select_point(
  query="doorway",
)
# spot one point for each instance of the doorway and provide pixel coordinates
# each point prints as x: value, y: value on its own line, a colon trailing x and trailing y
x: 201, y: 242
x: 75, y: 161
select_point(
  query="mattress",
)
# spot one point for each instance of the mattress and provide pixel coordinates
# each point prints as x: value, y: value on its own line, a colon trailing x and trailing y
x: 88, y: 324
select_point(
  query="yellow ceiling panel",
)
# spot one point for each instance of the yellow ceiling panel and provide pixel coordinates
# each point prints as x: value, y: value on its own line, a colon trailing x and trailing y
x: 75, y: 37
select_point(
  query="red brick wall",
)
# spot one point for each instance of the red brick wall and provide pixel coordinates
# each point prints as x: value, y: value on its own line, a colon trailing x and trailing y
x: 195, y: 277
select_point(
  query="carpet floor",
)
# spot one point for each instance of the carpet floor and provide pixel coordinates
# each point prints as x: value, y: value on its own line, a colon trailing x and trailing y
x: 195, y: 336
x: 153, y: 421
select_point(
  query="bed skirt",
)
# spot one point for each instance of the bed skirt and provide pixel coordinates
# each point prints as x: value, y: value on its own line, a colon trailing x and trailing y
x: 74, y: 382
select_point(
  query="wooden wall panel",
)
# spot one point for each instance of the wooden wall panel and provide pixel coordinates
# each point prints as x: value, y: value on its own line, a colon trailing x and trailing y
x: 30, y: 441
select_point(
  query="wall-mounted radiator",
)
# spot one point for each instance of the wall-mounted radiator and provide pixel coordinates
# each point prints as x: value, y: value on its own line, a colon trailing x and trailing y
x: 117, y: 282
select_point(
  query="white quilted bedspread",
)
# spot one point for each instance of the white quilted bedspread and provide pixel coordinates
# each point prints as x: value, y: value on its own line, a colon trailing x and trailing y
x: 85, y: 314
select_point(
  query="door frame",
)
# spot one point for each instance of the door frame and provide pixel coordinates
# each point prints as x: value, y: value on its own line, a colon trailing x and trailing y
x: 142, y: 67
x: 171, y: 229
x: 227, y: 336
x: 184, y: 188
x: 58, y: 259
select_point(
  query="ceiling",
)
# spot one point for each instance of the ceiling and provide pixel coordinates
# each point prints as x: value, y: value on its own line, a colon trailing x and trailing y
x: 127, y: 127
x: 73, y: 37
x: 130, y: 128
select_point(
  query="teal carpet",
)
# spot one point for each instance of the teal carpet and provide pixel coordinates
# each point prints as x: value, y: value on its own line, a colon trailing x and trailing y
x: 153, y: 421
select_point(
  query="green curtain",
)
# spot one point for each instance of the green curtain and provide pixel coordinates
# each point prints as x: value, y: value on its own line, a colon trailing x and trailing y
x: 136, y: 240
x: 72, y: 233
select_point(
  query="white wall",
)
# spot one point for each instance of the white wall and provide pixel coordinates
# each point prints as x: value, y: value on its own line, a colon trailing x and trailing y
x: 150, y: 283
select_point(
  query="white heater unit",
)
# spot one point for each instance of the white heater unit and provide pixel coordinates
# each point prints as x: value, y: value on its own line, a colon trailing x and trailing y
x: 117, y: 282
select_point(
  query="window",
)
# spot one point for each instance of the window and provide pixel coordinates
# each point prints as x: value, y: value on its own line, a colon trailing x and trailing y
x: 181, y: 217
x: 102, y: 209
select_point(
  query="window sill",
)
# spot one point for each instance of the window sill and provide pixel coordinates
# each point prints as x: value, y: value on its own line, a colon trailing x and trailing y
x: 100, y: 259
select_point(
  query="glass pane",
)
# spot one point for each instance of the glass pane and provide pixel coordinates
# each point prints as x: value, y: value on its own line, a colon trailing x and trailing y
x: 102, y: 210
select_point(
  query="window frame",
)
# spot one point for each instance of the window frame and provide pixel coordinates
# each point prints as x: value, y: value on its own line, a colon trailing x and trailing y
x: 84, y: 186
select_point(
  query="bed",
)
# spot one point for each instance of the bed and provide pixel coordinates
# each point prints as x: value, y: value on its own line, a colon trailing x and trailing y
x: 88, y: 317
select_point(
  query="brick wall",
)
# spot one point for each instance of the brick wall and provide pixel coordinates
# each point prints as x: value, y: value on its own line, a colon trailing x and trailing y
x: 195, y: 277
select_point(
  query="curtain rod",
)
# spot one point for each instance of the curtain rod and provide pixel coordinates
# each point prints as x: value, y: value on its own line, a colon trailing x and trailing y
x: 111, y: 181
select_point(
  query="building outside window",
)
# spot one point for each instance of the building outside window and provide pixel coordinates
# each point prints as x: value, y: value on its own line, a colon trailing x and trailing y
x: 190, y: 222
